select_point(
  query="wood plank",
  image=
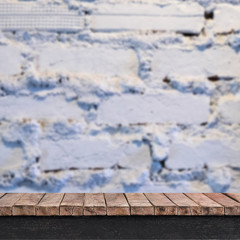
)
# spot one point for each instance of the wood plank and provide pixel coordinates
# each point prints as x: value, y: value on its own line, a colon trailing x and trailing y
x: 185, y: 205
x: 26, y: 205
x: 94, y: 204
x: 72, y: 204
x: 162, y: 205
x: 49, y: 205
x: 139, y: 204
x: 117, y: 204
x: 235, y: 196
x: 2, y: 194
x: 231, y: 207
x: 7, y: 202
x: 209, y: 207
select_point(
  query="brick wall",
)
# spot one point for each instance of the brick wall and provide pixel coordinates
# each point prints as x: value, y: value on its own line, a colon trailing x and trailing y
x: 120, y: 96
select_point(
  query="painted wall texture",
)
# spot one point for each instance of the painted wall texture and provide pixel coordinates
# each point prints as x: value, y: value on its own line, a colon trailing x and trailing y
x: 120, y: 96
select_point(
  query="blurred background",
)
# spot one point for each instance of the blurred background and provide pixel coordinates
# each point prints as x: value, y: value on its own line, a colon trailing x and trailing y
x: 119, y: 96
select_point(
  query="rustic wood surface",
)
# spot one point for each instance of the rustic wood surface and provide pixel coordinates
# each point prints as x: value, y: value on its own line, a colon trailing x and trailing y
x: 72, y: 204
x: 162, y: 205
x: 119, y: 204
x: 49, y: 205
x: 116, y: 204
x: 26, y: 204
x: 235, y: 196
x: 7, y: 202
x: 231, y: 207
x: 209, y: 207
x: 2, y: 194
x: 139, y: 204
x: 186, y: 206
x: 94, y: 204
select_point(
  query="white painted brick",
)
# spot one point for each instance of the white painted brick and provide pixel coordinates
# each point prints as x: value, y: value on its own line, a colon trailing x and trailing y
x: 184, y: 62
x: 226, y: 18
x: 31, y: 15
x: 28, y: 107
x: 92, y: 153
x: 169, y: 106
x: 173, y: 17
x: 196, y: 153
x: 229, y: 109
x: 93, y: 60
x: 10, y: 60
x: 10, y: 156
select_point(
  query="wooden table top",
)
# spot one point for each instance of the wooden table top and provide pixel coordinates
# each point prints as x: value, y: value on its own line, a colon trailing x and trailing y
x: 118, y: 204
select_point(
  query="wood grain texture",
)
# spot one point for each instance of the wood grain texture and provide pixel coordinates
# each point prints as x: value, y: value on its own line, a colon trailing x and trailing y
x: 72, y: 204
x: 117, y: 204
x: 7, y: 202
x: 26, y: 205
x: 94, y: 204
x: 139, y: 204
x: 162, y: 205
x: 209, y: 207
x: 2, y: 194
x: 231, y: 207
x: 49, y: 205
x: 186, y: 206
x: 235, y: 196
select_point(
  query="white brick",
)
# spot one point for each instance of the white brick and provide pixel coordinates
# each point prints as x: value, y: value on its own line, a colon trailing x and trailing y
x: 93, y: 60
x: 28, y: 107
x: 10, y: 60
x: 169, y: 106
x: 212, y: 152
x: 184, y: 62
x: 229, y: 109
x: 10, y: 156
x: 173, y: 17
x: 92, y: 153
x: 226, y: 18
x: 31, y: 15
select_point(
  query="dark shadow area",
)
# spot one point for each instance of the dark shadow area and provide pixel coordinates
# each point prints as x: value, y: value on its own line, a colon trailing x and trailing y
x: 127, y: 227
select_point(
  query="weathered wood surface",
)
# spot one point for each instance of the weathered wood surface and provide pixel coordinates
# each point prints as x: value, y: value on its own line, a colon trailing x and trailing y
x: 139, y: 204
x: 235, y: 196
x: 94, y: 204
x: 209, y: 207
x: 116, y: 204
x: 231, y: 207
x: 49, y: 205
x: 26, y: 205
x: 119, y: 204
x: 72, y: 204
x: 7, y: 202
x: 2, y: 194
x: 162, y: 205
x: 185, y: 205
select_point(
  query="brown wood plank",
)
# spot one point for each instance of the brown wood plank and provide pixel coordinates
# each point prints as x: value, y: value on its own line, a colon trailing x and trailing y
x: 209, y: 207
x: 7, y: 202
x: 26, y: 205
x: 235, y: 196
x: 231, y: 207
x: 2, y: 194
x: 185, y: 205
x: 49, y: 205
x: 116, y: 204
x: 94, y: 204
x: 139, y: 204
x: 72, y: 204
x: 162, y: 205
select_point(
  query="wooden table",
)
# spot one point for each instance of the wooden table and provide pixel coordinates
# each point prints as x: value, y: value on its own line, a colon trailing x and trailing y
x: 119, y: 215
